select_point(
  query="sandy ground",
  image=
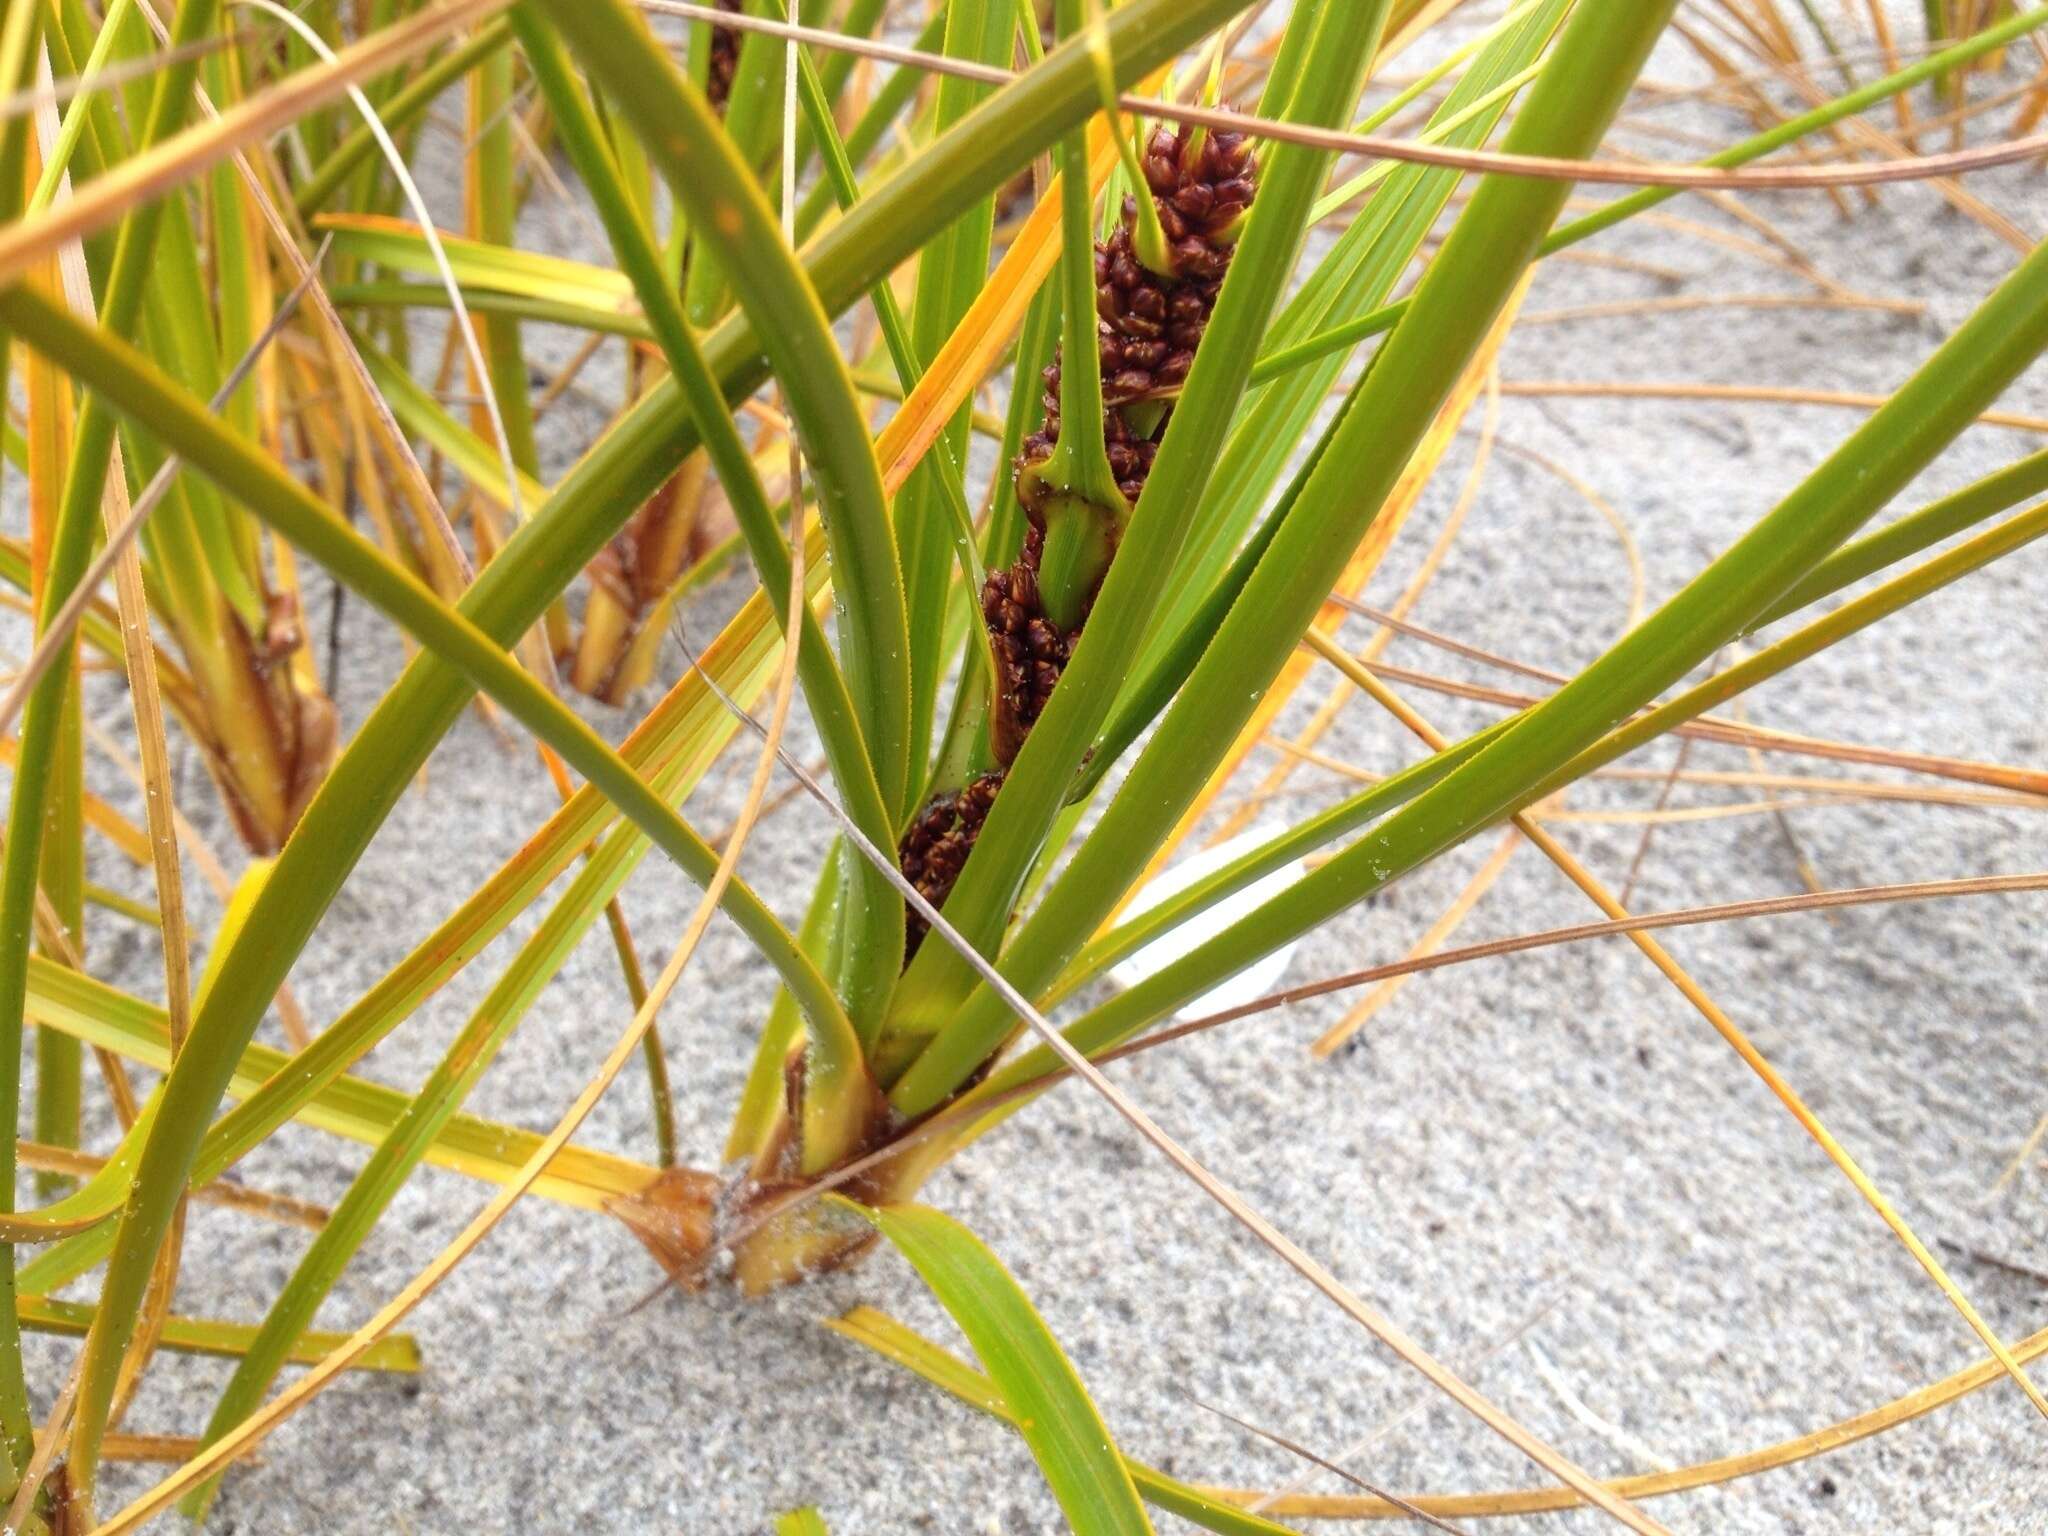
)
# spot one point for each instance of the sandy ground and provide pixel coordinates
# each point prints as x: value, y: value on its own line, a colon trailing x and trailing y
x: 1547, y: 1169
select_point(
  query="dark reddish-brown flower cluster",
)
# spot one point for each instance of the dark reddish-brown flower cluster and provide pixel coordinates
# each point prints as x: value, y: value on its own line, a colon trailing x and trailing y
x: 935, y: 849
x: 725, y: 58
x: 1148, y: 325
x: 1029, y: 649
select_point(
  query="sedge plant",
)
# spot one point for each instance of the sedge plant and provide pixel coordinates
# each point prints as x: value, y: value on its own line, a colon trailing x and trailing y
x: 1109, y: 250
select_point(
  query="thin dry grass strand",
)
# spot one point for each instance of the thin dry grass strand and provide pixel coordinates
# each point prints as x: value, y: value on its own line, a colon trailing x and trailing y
x: 1665, y: 816
x: 1666, y: 787
x: 1739, y: 1041
x: 175, y: 161
x: 1740, y: 394
x: 1847, y: 789
x: 1400, y: 624
x: 1706, y: 727
x: 1487, y: 162
x: 1420, y: 1401
x: 50, y: 92
x: 1703, y: 1474
x: 1720, y: 728
x: 2019, y: 1159
x: 1295, y: 1448
x: 1279, y: 1243
x: 410, y: 188
x: 1577, y: 933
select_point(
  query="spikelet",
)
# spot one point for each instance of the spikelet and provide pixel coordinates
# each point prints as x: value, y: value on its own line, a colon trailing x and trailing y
x: 935, y: 849
x: 1148, y: 326
x: 1030, y: 651
x: 725, y: 58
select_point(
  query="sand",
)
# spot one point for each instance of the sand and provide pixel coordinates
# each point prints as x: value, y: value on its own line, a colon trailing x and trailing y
x: 1547, y: 1169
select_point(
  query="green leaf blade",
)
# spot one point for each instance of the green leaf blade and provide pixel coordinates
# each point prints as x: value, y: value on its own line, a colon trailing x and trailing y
x: 1046, y: 1400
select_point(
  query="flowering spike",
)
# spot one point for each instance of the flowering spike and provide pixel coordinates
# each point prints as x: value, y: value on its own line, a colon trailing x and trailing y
x: 1148, y: 321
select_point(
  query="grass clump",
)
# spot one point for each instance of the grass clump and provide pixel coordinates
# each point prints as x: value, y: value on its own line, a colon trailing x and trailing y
x: 1214, y: 364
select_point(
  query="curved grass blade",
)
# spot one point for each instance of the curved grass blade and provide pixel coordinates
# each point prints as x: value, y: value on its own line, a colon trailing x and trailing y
x: 894, y: 1341
x: 730, y: 215
x: 399, y: 1354
x: 875, y: 916
x: 1044, y: 1397
x: 351, y: 1107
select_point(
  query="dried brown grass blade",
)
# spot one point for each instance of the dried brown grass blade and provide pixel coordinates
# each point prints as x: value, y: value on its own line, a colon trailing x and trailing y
x: 1703, y: 1474
x: 177, y: 159
x: 1751, y: 394
x: 1333, y: 1038
x: 1740, y: 1042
